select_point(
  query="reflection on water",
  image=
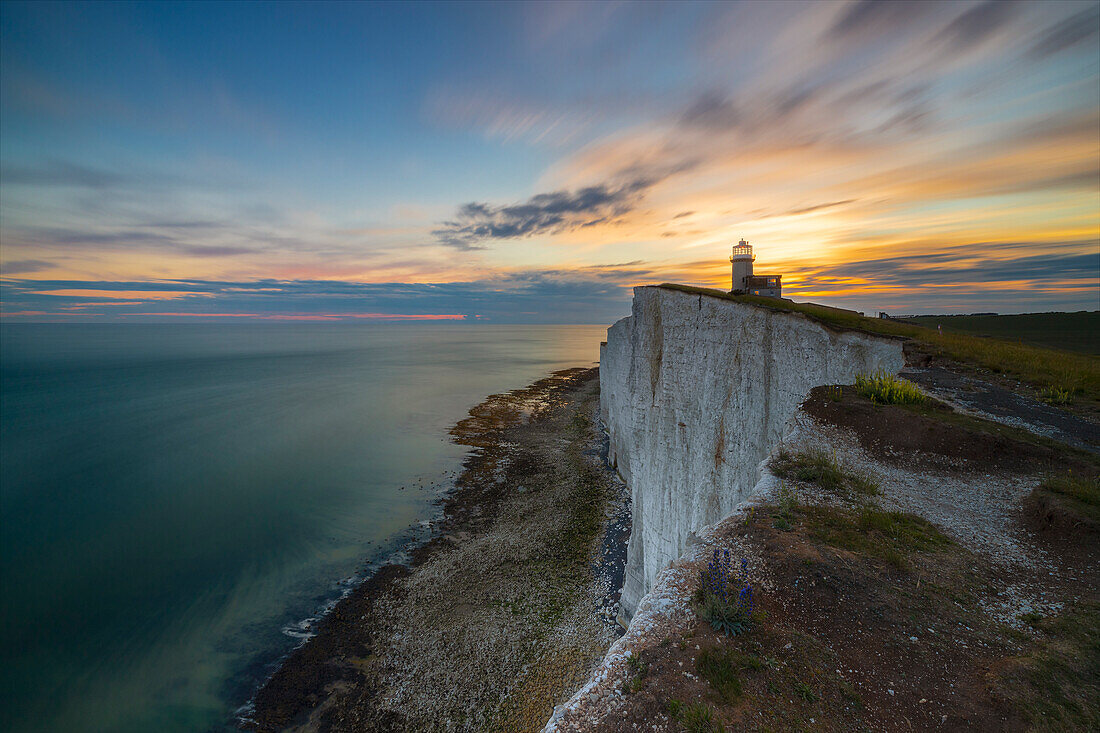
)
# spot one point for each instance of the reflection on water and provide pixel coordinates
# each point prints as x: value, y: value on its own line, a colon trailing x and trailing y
x: 173, y: 497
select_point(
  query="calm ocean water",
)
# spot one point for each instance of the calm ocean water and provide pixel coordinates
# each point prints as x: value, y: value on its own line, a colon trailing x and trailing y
x: 174, y: 498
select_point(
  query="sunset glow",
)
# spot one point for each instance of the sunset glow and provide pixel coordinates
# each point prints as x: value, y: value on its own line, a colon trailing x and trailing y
x: 533, y: 162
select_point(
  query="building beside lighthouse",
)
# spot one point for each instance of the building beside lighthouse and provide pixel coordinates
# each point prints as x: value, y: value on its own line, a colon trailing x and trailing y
x: 747, y: 283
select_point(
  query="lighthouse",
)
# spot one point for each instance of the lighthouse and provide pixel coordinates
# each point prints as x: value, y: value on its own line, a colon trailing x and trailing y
x: 741, y: 259
x: 743, y: 280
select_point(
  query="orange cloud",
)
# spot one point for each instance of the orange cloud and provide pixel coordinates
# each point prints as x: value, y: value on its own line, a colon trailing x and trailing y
x: 312, y: 316
x: 122, y: 294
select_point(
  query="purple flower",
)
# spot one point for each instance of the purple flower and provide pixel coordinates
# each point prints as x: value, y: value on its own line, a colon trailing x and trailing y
x: 745, y: 600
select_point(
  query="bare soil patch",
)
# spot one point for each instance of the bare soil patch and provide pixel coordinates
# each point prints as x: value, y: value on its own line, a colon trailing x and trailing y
x: 927, y: 433
x: 850, y: 642
x: 855, y: 640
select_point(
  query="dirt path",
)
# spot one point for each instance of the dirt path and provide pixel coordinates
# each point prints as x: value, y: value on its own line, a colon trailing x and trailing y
x: 997, y: 403
x: 505, y: 612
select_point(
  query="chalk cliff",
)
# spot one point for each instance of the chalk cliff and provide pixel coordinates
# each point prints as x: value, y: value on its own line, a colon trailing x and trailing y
x: 695, y: 392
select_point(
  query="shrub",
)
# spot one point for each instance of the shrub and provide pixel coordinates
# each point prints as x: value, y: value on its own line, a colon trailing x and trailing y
x: 1055, y: 395
x: 884, y: 388
x: 788, y: 502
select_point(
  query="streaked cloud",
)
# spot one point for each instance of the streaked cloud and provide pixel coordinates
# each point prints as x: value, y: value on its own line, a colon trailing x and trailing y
x: 1072, y: 31
x: 21, y: 267
x: 63, y: 173
x: 589, y: 296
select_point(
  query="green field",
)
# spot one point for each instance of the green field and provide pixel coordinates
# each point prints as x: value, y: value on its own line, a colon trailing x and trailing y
x: 1078, y: 331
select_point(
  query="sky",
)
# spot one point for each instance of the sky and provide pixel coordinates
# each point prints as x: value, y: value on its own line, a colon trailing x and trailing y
x: 511, y: 162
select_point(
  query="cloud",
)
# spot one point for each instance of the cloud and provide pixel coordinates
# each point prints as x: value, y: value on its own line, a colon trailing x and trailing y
x: 596, y: 294
x: 1003, y: 276
x: 953, y: 268
x: 817, y: 207
x: 1076, y: 29
x: 20, y: 267
x: 187, y: 224
x: 63, y: 173
x: 712, y: 111
x: 507, y: 120
x: 544, y: 213
x: 867, y: 17
x: 123, y: 239
x: 199, y: 250
x: 80, y: 237
x: 977, y: 24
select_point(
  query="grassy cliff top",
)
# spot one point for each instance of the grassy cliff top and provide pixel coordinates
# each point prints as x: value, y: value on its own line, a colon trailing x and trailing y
x: 1060, y: 377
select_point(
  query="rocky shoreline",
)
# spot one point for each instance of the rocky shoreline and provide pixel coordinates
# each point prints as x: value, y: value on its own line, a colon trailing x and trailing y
x: 503, y: 613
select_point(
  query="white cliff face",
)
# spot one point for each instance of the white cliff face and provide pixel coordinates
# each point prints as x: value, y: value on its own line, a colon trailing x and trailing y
x: 695, y: 391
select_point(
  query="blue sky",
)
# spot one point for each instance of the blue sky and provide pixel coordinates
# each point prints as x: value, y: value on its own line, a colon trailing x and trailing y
x: 533, y: 162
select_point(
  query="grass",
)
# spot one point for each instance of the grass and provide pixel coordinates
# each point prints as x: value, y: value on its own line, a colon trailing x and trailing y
x: 1055, y: 683
x: 1076, y: 497
x: 788, y: 503
x: 722, y: 670
x: 695, y: 718
x: 817, y: 466
x: 699, y: 718
x: 804, y: 691
x: 889, y: 536
x: 883, y: 388
x: 638, y: 670
x: 1039, y: 367
x: 868, y: 530
x: 1071, y: 331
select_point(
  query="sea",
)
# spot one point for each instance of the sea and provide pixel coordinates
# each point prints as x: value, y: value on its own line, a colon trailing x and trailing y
x: 180, y: 503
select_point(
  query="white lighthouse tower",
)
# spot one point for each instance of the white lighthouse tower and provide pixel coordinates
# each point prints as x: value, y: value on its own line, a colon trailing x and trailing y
x: 744, y: 281
x: 741, y: 259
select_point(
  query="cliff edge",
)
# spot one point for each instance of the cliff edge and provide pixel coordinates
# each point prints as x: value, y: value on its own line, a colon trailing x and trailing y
x: 695, y: 391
